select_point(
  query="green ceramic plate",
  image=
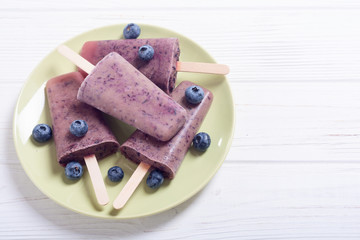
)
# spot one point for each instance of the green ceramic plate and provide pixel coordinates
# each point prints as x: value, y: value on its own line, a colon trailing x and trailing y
x: 39, y: 160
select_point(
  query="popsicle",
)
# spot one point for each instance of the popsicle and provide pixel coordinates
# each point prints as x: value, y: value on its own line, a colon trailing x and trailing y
x: 117, y: 88
x: 166, y: 156
x: 98, y: 142
x: 162, y: 69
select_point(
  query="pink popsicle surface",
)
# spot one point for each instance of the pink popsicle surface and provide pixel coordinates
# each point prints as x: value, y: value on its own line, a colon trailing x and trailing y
x: 161, y: 69
x: 168, y: 156
x: 117, y: 88
x: 64, y: 109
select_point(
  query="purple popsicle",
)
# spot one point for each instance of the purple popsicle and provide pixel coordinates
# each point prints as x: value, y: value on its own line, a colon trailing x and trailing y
x: 64, y: 109
x: 117, y: 88
x: 168, y: 156
x: 161, y: 69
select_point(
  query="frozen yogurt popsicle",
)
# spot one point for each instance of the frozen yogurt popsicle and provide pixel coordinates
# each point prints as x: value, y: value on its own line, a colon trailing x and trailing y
x: 166, y: 156
x: 64, y: 109
x: 161, y: 69
x: 117, y: 88
x: 97, y: 143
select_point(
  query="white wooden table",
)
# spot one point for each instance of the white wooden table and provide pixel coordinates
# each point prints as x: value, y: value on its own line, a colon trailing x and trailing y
x: 293, y: 171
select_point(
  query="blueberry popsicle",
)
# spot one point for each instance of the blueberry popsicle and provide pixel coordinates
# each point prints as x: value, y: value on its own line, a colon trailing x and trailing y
x: 97, y: 143
x: 64, y: 109
x: 117, y: 88
x: 166, y: 156
x: 161, y: 69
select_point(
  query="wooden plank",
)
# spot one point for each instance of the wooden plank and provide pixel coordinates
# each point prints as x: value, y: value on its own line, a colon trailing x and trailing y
x: 243, y: 201
x: 38, y: 5
x: 296, y: 122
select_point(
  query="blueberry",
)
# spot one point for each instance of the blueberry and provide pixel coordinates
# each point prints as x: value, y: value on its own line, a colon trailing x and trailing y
x: 42, y: 132
x: 146, y: 52
x: 201, y: 141
x: 115, y: 174
x: 79, y: 128
x: 131, y: 31
x: 73, y: 170
x: 155, y: 179
x: 194, y: 94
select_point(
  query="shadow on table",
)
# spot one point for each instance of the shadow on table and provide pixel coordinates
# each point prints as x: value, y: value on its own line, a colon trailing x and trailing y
x: 78, y: 223
x: 90, y: 226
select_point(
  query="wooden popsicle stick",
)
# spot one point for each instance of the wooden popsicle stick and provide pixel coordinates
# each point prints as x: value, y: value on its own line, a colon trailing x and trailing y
x: 96, y: 179
x: 131, y: 185
x: 75, y: 58
x: 199, y: 67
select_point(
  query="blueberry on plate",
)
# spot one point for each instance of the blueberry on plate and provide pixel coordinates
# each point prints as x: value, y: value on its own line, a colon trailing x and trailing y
x: 146, y: 52
x: 201, y: 141
x: 115, y: 174
x: 73, y: 170
x: 131, y: 31
x: 42, y: 132
x: 79, y: 128
x: 194, y: 94
x: 155, y: 179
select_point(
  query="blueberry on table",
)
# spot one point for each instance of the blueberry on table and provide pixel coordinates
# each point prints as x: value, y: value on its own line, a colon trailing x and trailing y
x: 115, y: 174
x: 131, y: 31
x: 146, y: 52
x: 194, y: 94
x: 79, y: 128
x: 155, y: 179
x: 73, y: 170
x: 42, y: 132
x: 201, y: 141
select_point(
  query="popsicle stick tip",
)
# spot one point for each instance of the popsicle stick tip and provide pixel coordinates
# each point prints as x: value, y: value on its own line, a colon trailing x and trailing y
x: 64, y: 50
x: 62, y: 47
x: 104, y: 202
x: 131, y: 185
x: 119, y: 204
x: 75, y: 58
x: 97, y: 180
x: 226, y: 69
